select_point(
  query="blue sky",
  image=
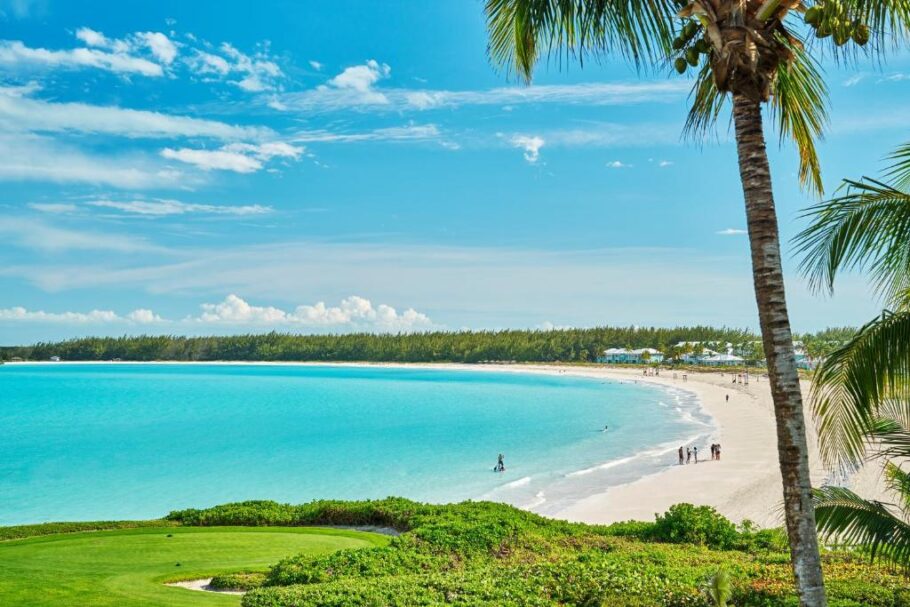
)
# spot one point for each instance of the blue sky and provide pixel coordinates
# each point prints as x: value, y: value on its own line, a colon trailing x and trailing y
x: 201, y: 167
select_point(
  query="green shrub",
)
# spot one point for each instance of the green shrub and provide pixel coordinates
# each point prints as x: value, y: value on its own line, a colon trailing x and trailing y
x: 688, y: 524
x: 243, y: 581
x: 485, y: 554
x: 24, y: 531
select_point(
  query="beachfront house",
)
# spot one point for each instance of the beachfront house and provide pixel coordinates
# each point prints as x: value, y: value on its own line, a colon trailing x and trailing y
x: 721, y: 360
x: 631, y: 357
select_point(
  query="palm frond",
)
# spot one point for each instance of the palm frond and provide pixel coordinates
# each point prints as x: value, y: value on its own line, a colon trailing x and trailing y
x: 798, y: 106
x: 889, y: 439
x: 898, y: 482
x: 899, y: 172
x: 842, y: 515
x: 866, y: 228
x: 855, y: 382
x: 707, y: 104
x: 521, y: 31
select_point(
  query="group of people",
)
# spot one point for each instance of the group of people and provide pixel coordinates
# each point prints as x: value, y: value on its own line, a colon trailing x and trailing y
x: 689, y: 455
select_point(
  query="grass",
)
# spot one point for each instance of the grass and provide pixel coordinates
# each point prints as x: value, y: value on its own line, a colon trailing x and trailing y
x: 128, y: 567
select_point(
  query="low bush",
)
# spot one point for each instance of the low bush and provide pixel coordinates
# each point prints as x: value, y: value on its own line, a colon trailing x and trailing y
x: 238, y: 581
x: 485, y: 554
x: 23, y: 531
x: 702, y: 525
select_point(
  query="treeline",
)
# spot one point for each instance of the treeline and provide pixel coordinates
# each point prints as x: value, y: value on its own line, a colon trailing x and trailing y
x: 566, y: 345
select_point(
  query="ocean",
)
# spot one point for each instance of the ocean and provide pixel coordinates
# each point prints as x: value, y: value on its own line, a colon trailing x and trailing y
x: 134, y: 441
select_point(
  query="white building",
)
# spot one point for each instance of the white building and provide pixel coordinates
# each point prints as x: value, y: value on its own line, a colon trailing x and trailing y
x: 631, y: 357
x: 721, y: 360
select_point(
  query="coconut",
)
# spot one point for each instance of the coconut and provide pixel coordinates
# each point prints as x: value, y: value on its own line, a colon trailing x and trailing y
x: 861, y: 34
x: 842, y: 35
x: 680, y: 65
x: 692, y: 57
x: 678, y: 43
x: 689, y: 30
x: 813, y: 16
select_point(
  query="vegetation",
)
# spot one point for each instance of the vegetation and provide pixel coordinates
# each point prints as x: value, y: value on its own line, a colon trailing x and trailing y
x: 862, y: 390
x: 565, y: 345
x: 478, y: 553
x: 128, y: 567
x: 750, y: 54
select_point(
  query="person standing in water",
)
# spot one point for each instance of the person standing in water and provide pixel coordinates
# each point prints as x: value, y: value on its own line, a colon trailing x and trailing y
x: 500, y: 463
x: 717, y: 451
x: 681, y: 460
x: 695, y: 453
x: 688, y: 455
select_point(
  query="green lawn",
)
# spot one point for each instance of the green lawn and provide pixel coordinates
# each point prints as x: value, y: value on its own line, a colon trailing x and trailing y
x: 128, y: 568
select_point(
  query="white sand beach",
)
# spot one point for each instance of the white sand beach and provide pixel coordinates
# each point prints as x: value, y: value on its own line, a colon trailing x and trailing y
x: 744, y: 484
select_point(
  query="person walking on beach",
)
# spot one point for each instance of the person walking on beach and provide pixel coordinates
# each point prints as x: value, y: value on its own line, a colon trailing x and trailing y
x: 695, y: 453
x: 688, y: 455
x: 728, y: 398
x: 681, y: 460
x: 713, y: 447
x: 717, y: 451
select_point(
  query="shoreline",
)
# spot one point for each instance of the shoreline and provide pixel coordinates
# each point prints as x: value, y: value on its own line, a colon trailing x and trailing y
x: 744, y: 484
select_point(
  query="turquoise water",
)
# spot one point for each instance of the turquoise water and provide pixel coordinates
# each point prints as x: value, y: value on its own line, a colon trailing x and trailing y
x: 122, y: 441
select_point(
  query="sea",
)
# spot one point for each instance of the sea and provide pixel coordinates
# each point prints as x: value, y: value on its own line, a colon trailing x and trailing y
x: 135, y: 441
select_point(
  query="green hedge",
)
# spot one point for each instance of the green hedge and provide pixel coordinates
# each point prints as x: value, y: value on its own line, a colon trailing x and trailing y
x: 24, y: 531
x: 485, y: 554
x: 238, y: 581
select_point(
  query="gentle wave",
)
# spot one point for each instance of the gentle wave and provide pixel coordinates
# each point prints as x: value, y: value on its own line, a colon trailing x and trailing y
x: 525, y: 480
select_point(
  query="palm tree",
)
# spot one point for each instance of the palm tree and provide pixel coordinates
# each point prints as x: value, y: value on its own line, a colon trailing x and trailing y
x: 862, y: 390
x: 753, y: 52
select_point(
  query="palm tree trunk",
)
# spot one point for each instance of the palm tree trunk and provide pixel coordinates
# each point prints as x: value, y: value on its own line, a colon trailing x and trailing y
x: 778, y: 344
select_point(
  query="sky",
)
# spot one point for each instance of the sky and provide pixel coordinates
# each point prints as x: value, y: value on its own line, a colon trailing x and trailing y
x: 212, y: 168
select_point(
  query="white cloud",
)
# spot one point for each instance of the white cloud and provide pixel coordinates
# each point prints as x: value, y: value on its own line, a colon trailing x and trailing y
x: 352, y: 312
x: 207, y: 63
x: 665, y: 163
x: 316, y: 65
x: 208, y: 160
x: 354, y: 85
x: 40, y: 236
x: 161, y: 208
x: 371, y: 97
x: 732, y: 232
x: 361, y: 78
x: 618, y: 164
x: 258, y: 72
x: 14, y: 53
x: 19, y: 112
x: 20, y: 314
x: 236, y: 157
x: 160, y: 45
x: 144, y: 316
x: 409, y: 132
x: 53, y: 207
x: 530, y: 144
x: 854, y: 80
x: 34, y: 158
x: 92, y: 37
x: 21, y: 8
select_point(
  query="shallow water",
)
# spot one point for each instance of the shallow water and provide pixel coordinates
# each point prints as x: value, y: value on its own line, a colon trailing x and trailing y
x: 124, y: 441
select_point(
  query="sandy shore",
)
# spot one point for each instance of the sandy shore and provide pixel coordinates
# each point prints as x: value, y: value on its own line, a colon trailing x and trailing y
x: 744, y: 484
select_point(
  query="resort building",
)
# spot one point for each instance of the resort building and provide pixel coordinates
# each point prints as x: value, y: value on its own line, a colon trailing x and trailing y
x: 631, y: 357
x: 721, y: 360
